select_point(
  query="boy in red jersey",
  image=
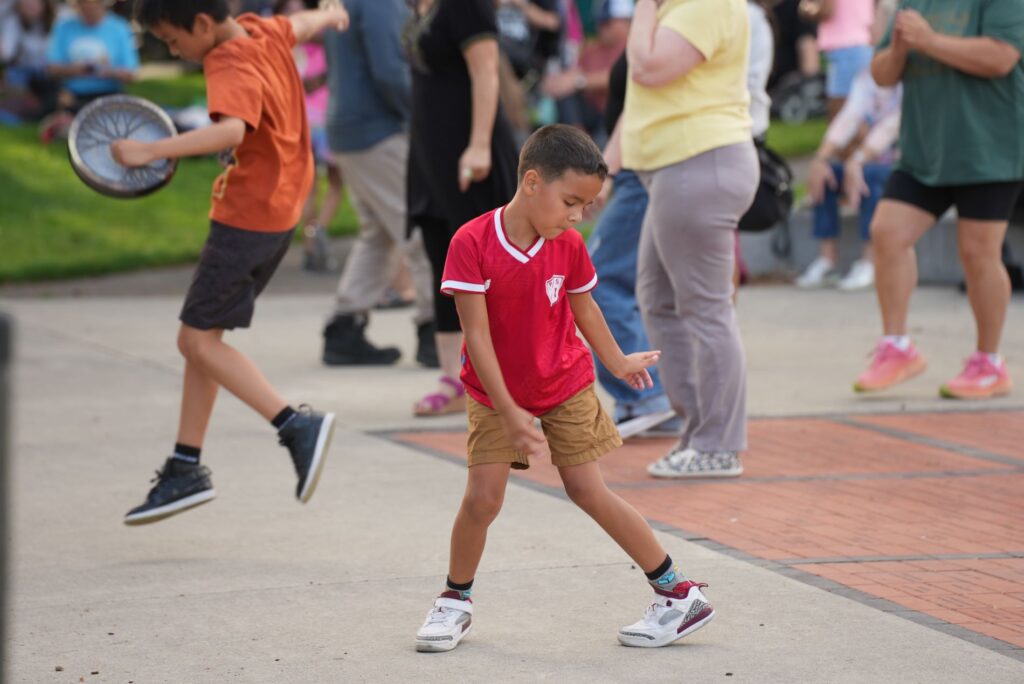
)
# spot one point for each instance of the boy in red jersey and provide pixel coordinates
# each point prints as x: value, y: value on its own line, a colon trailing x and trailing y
x: 521, y: 278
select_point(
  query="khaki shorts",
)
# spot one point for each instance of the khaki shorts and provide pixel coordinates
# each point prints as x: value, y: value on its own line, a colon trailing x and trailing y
x: 578, y: 431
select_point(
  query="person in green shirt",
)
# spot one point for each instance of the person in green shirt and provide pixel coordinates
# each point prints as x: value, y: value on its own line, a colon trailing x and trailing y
x: 961, y: 145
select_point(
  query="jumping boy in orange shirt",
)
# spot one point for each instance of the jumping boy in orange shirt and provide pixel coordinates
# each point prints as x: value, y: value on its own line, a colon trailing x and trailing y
x: 521, y: 278
x: 257, y: 104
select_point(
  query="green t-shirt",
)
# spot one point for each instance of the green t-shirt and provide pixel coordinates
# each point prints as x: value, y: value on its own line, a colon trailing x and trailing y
x: 956, y: 128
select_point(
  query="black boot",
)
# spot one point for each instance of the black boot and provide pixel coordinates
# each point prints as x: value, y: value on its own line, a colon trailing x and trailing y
x: 426, y: 350
x: 345, y: 344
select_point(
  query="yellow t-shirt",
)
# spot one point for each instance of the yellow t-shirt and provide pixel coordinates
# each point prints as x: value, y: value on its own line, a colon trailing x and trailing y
x: 706, y: 107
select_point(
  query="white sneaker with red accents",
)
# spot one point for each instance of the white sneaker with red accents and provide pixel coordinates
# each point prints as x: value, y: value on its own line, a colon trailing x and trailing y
x: 672, y: 616
x: 447, y: 623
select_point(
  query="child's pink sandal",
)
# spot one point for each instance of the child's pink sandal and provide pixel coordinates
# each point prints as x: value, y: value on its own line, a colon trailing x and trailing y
x: 441, y: 403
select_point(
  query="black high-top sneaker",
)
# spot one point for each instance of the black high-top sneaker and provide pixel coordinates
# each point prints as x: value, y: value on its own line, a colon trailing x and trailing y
x: 307, y: 436
x: 179, y: 487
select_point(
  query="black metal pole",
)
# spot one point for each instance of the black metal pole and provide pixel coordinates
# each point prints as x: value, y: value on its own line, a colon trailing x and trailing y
x: 5, y: 358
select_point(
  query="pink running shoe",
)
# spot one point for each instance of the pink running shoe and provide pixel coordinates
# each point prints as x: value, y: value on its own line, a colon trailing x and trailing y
x: 980, y: 379
x: 890, y: 366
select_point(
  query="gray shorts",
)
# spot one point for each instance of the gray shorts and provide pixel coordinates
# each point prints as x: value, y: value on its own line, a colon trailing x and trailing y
x: 233, y: 269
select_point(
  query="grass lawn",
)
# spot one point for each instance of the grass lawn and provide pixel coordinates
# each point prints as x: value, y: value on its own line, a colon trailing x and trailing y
x: 53, y: 226
x: 796, y: 140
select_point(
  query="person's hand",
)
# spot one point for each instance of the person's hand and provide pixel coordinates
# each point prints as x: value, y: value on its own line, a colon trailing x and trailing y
x: 854, y: 187
x: 809, y: 9
x: 601, y: 199
x: 131, y: 152
x: 914, y: 30
x: 338, y: 13
x: 474, y: 166
x: 524, y: 435
x: 561, y: 84
x: 634, y: 369
x: 819, y: 176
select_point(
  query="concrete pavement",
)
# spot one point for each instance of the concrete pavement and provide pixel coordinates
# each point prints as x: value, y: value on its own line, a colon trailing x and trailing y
x: 255, y: 587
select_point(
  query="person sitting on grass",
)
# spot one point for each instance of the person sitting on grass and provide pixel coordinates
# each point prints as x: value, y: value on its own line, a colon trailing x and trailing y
x: 255, y: 99
x: 521, y: 278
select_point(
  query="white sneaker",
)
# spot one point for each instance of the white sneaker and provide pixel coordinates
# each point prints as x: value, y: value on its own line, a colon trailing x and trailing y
x: 671, y: 617
x: 447, y: 623
x: 817, y: 274
x: 860, y: 277
x: 690, y: 463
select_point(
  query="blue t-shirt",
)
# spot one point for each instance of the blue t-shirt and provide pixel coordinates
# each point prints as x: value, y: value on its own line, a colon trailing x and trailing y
x: 108, y: 43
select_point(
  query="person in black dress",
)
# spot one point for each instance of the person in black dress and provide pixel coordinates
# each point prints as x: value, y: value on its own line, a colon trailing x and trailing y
x: 462, y: 157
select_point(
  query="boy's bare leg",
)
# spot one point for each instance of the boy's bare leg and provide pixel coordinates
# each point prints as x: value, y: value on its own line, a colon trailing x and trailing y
x: 198, y: 394
x: 229, y: 368
x: 587, y: 489
x: 485, y: 492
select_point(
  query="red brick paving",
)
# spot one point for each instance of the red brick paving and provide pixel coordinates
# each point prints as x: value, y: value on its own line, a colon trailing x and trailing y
x: 1003, y: 432
x: 819, y: 491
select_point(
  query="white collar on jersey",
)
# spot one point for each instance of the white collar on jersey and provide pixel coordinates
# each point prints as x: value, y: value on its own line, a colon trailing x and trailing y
x: 519, y: 255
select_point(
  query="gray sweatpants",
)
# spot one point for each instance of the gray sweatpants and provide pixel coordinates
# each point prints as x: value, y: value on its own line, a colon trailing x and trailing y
x: 684, y: 290
x: 376, y: 179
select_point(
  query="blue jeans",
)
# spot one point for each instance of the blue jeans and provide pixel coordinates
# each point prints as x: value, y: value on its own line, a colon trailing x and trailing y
x: 613, y: 248
x: 826, y: 214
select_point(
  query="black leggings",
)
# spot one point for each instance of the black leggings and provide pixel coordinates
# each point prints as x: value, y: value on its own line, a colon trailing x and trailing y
x: 437, y: 235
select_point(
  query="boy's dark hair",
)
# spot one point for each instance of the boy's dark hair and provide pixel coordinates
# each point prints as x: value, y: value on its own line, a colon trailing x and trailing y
x: 179, y: 13
x: 555, y: 149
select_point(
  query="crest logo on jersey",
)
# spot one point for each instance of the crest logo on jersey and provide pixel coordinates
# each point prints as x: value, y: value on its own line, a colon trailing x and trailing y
x: 553, y: 286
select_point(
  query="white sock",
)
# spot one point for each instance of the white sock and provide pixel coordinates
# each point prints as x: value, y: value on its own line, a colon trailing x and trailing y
x: 901, y: 342
x: 995, y: 359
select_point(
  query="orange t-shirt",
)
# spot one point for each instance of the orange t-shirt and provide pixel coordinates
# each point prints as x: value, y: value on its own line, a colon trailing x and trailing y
x: 271, y: 171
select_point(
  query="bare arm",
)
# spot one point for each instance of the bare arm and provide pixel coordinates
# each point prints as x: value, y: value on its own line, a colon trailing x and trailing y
x: 590, y: 321
x: 888, y: 64
x: 538, y: 17
x: 977, y: 55
x: 477, y: 330
x: 613, y: 149
x: 118, y: 74
x: 657, y: 55
x: 69, y: 70
x: 482, y: 62
x: 980, y: 56
x: 226, y: 133
x: 307, y: 24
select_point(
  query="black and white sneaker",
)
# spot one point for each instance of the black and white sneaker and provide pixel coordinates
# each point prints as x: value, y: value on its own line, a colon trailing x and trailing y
x: 307, y: 436
x: 179, y: 487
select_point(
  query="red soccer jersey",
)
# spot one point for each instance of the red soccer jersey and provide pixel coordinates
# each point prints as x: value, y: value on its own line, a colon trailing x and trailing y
x: 543, y: 360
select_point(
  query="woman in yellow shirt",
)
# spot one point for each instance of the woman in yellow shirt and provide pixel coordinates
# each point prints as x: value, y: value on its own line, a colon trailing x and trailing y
x: 686, y: 130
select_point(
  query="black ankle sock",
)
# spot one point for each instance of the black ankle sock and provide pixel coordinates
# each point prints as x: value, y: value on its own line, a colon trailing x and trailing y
x: 660, y: 570
x: 465, y: 590
x: 286, y: 414
x: 186, y: 454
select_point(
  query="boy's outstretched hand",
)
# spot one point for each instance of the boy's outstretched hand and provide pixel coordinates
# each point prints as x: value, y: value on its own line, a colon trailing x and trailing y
x: 131, y: 152
x: 339, y: 15
x: 634, y: 369
x: 524, y: 435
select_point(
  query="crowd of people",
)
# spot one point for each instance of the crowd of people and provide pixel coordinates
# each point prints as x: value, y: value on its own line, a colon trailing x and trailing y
x: 420, y: 109
x: 427, y: 110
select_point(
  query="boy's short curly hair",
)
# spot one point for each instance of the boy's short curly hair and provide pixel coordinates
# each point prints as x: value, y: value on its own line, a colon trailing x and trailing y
x: 179, y: 13
x: 555, y: 149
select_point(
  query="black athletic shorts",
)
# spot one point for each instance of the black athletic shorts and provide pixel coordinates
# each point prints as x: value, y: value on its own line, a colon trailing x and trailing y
x: 979, y: 201
x: 233, y: 269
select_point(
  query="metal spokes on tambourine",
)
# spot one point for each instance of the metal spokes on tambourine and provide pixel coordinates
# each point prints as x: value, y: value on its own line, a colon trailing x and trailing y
x: 117, y: 117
